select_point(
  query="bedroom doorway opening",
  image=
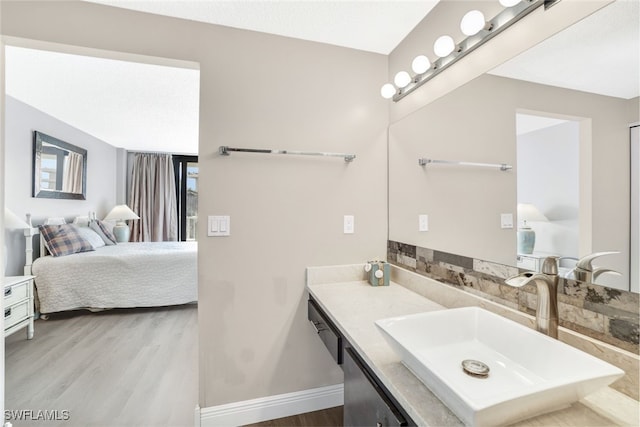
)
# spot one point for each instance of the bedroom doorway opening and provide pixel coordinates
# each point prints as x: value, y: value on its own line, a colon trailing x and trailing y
x: 186, y: 170
x: 149, y: 354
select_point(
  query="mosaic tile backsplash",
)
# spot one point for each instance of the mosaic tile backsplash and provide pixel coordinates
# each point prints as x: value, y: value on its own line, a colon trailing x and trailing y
x: 608, y: 315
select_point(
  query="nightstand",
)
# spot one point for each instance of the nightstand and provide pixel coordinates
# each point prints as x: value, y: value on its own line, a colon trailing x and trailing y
x: 18, y: 304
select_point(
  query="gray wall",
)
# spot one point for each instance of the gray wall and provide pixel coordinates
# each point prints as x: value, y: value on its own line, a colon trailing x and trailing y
x: 21, y: 121
x: 286, y: 213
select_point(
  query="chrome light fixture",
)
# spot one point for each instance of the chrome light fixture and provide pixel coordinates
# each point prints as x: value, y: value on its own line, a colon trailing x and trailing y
x: 478, y: 32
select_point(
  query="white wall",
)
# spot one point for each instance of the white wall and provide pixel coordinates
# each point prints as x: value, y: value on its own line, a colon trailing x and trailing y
x: 21, y: 121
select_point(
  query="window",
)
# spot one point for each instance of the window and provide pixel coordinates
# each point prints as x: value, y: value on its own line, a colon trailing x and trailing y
x: 186, y: 170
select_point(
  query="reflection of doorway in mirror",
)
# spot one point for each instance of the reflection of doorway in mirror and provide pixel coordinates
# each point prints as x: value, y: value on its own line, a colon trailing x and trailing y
x: 548, y: 159
x: 635, y: 209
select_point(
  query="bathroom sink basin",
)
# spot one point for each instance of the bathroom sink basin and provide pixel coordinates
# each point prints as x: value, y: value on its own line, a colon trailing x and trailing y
x: 529, y: 373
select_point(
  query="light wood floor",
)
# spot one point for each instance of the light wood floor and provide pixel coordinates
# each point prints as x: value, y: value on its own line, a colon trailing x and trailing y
x: 114, y: 368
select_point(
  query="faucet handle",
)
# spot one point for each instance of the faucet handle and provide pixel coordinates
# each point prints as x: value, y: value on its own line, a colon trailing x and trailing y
x: 550, y: 265
x: 585, y: 262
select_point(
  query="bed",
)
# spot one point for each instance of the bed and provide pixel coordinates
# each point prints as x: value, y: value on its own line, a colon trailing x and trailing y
x: 123, y: 275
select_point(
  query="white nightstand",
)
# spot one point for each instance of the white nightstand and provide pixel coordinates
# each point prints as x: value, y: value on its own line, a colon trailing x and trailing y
x: 18, y: 304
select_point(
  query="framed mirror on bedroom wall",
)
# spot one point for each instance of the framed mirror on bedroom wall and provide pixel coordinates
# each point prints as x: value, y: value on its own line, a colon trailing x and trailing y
x: 59, y: 169
x: 573, y: 114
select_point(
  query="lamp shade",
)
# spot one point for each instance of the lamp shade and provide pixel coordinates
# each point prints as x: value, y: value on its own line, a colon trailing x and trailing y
x: 528, y: 212
x: 13, y: 222
x: 121, y: 213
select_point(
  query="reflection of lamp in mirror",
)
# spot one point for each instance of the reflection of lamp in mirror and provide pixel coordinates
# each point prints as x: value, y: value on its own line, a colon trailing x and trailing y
x: 526, y: 235
x: 120, y: 214
x: 12, y: 222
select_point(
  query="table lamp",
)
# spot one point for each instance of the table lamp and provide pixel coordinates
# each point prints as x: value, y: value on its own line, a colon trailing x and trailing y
x: 526, y: 235
x: 120, y: 214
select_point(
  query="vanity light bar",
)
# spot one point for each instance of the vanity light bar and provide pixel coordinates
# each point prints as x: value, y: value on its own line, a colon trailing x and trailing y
x: 502, y: 166
x: 495, y: 26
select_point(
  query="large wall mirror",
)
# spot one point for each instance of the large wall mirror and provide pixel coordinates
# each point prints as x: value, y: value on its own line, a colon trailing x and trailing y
x: 59, y: 168
x: 562, y: 119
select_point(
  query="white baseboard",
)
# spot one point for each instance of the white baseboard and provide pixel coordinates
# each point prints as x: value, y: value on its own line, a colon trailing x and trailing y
x: 271, y: 407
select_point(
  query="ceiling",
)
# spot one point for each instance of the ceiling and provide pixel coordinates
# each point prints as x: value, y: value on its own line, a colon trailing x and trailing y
x: 132, y: 106
x: 370, y: 25
x: 600, y: 54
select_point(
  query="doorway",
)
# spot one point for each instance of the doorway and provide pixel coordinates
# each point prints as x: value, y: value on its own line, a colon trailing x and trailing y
x: 69, y: 370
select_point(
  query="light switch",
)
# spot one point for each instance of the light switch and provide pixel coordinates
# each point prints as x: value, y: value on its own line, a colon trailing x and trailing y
x: 423, y: 222
x: 506, y: 220
x: 219, y: 225
x: 349, y: 224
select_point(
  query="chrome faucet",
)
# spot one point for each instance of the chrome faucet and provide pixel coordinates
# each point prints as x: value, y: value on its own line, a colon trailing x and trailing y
x: 547, y: 286
x: 584, y: 270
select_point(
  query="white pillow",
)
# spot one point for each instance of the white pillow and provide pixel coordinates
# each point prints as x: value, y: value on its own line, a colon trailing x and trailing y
x: 104, y: 231
x: 54, y: 221
x: 93, y: 237
x: 81, y: 221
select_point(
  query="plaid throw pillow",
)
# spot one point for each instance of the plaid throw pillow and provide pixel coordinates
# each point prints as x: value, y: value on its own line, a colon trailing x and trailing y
x: 103, y: 231
x: 64, y: 239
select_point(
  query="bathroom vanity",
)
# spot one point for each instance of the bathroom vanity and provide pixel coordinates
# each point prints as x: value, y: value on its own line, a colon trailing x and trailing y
x: 366, y: 400
x: 378, y: 388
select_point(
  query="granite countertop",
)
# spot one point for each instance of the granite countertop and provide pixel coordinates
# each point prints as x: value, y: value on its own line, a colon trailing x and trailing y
x: 354, y: 305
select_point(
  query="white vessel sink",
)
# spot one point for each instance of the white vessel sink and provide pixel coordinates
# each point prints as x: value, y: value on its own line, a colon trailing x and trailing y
x: 529, y: 372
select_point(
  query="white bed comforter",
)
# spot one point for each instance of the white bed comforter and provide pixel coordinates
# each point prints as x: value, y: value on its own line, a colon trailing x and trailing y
x: 148, y: 274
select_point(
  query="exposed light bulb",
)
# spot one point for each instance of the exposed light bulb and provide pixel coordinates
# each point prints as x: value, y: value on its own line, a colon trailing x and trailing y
x: 402, y: 79
x: 387, y: 91
x: 443, y: 46
x: 472, y: 22
x: 420, y: 64
x: 509, y: 3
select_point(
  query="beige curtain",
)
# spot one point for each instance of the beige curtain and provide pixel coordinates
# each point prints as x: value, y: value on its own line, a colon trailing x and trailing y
x: 72, y: 174
x: 153, y: 198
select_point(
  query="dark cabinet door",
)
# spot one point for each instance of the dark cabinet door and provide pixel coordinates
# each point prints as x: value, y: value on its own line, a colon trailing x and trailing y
x: 325, y: 330
x: 366, y: 403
